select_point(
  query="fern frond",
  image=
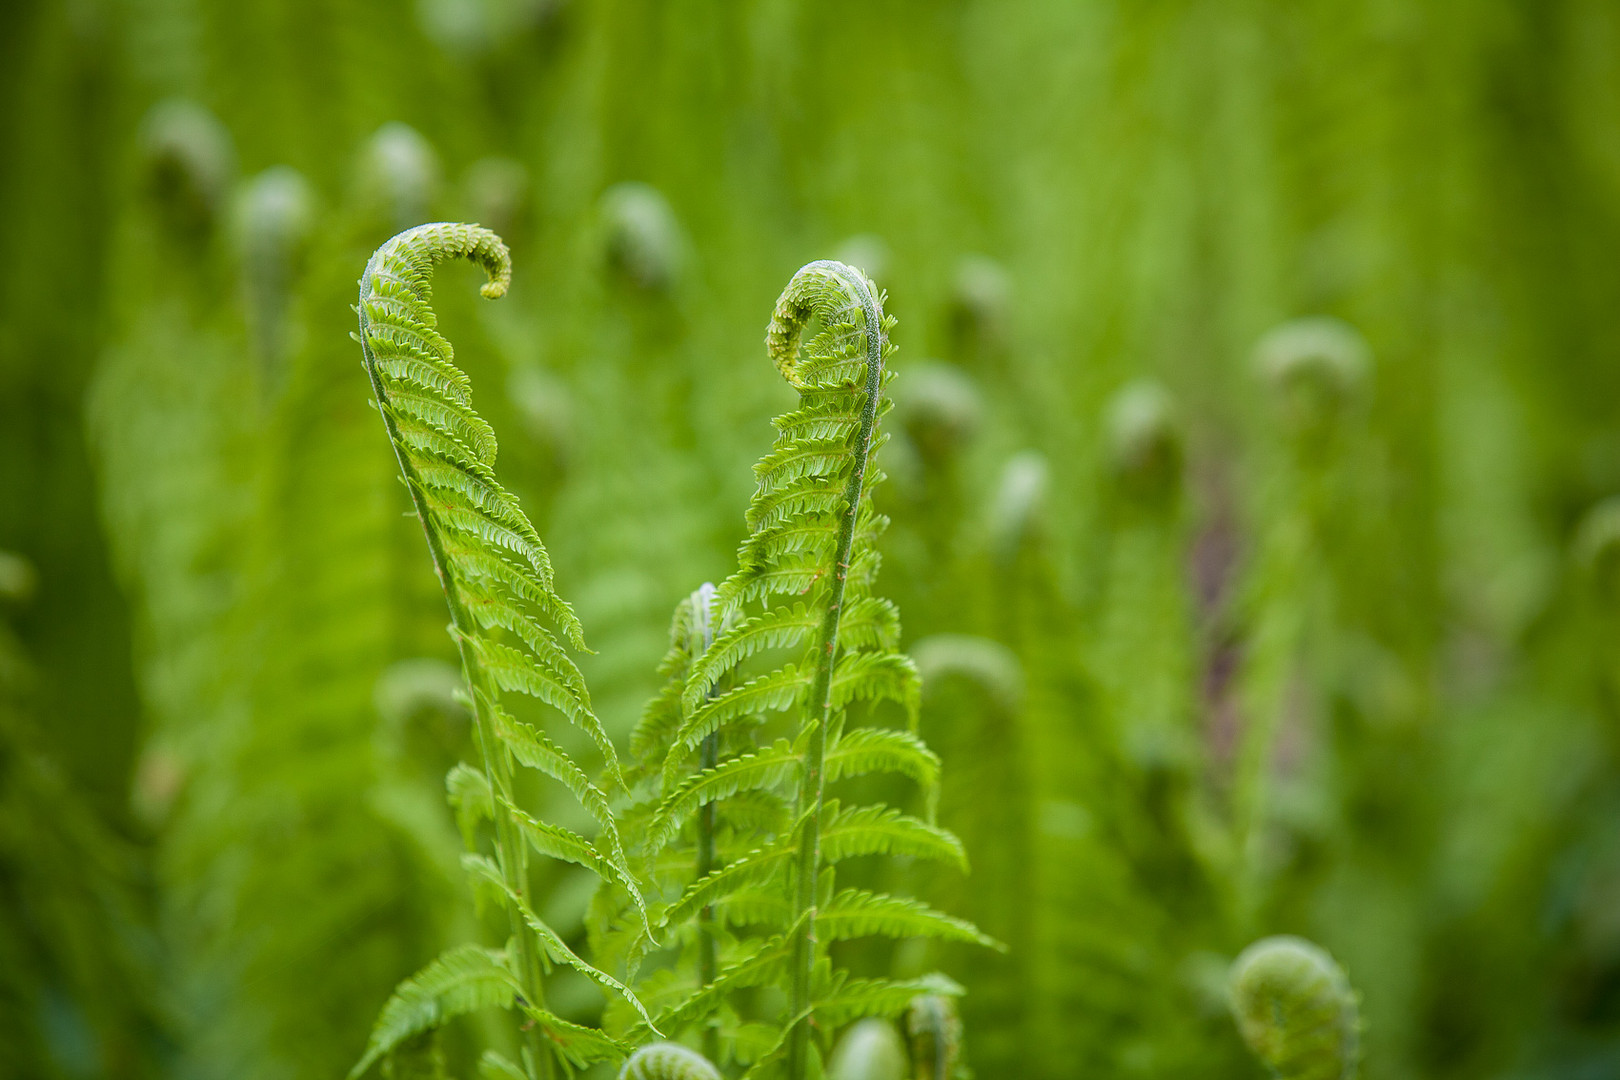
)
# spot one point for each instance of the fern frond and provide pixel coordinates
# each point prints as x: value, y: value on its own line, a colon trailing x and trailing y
x: 763, y: 967
x: 772, y: 692
x: 579, y: 1045
x: 796, y: 631
x: 530, y: 746
x: 463, y: 980
x: 877, y: 676
x: 556, y: 842
x: 497, y: 579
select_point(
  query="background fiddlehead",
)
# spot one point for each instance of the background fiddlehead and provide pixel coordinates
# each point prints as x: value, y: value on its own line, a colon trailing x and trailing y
x: 668, y: 1061
x: 1296, y: 1010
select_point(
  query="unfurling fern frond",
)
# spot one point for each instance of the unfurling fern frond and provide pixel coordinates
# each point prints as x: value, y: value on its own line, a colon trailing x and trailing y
x: 668, y: 1061
x: 869, y: 1050
x: 506, y: 619
x: 1296, y: 1010
x: 793, y: 642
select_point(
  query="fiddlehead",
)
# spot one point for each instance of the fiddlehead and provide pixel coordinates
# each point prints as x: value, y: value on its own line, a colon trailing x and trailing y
x: 1318, y: 366
x: 1144, y: 438
x: 277, y: 212
x: 642, y: 240
x: 189, y: 164
x: 1018, y: 505
x: 1296, y: 1010
x: 497, y: 580
x: 668, y: 1061
x: 981, y: 307
x: 399, y: 175
x: 496, y: 191
x: 870, y: 1050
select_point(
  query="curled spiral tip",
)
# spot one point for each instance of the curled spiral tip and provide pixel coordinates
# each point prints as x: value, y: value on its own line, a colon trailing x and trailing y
x: 941, y: 409
x: 1598, y: 536
x: 981, y: 303
x: 1296, y: 1010
x: 642, y: 237
x: 411, y: 256
x: 990, y: 664
x: 668, y: 1061
x: 1318, y: 352
x: 399, y: 173
x: 187, y: 159
x: 1019, y: 502
x: 870, y: 1050
x: 836, y: 293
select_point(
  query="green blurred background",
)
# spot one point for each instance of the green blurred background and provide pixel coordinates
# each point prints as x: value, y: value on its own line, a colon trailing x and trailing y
x: 1223, y: 634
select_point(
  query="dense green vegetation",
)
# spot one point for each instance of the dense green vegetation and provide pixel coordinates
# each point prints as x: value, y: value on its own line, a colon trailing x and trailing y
x: 1248, y: 507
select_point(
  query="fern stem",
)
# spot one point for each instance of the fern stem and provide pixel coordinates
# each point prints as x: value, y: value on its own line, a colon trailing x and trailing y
x: 708, y: 963
x: 811, y: 788
x: 511, y: 855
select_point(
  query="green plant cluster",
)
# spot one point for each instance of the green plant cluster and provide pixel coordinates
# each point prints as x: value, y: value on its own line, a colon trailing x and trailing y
x: 1252, y: 469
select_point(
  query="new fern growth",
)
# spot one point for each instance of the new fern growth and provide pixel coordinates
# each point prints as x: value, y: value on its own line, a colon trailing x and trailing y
x: 736, y: 842
x: 789, y: 643
x: 1296, y: 1010
x: 505, y: 617
x: 668, y: 1061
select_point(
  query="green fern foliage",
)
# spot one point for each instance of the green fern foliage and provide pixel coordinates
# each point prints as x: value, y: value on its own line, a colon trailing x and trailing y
x: 506, y: 620
x: 763, y: 677
x: 1296, y: 1010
